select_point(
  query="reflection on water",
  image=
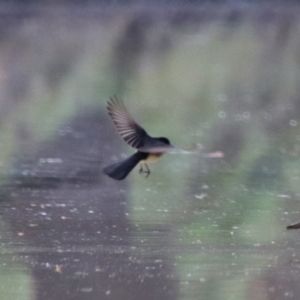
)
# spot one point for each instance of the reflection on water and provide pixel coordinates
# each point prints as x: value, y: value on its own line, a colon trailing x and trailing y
x: 197, y: 228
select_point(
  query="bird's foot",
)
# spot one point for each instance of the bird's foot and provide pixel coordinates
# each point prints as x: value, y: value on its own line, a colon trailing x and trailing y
x: 147, y: 172
x: 141, y: 169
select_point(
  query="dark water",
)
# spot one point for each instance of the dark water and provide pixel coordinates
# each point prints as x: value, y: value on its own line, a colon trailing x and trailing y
x: 197, y: 227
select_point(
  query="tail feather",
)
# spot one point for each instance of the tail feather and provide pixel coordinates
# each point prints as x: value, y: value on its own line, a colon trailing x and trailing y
x: 120, y: 170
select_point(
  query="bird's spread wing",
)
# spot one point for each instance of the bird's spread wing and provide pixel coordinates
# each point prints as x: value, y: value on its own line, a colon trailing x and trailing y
x: 129, y: 130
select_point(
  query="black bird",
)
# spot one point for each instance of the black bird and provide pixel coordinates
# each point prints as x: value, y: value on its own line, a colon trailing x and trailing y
x: 149, y: 149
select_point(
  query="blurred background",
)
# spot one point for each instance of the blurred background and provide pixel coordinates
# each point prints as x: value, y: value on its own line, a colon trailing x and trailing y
x: 226, y: 76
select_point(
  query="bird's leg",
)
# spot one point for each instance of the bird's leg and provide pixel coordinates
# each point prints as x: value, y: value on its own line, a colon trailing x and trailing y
x: 141, y: 169
x: 147, y: 171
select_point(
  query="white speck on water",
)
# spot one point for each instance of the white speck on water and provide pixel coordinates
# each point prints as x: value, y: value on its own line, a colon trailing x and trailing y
x: 293, y: 123
x: 25, y: 172
x: 283, y: 196
x: 201, y: 196
x: 272, y: 289
x: 108, y: 292
x: 51, y: 160
x: 86, y: 290
x: 246, y: 115
x: 222, y: 114
x: 47, y: 265
x: 60, y: 204
x: 288, y: 294
x: 222, y: 97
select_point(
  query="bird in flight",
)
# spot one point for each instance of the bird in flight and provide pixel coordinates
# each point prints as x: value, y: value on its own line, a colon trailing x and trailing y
x: 149, y: 149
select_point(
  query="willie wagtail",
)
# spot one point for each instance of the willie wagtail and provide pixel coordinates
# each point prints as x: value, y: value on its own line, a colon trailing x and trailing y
x: 149, y: 149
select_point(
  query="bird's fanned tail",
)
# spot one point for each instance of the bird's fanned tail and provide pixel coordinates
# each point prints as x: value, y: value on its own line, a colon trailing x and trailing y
x: 120, y: 170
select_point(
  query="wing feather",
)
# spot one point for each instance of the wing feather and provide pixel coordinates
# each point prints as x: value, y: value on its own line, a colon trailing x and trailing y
x: 129, y: 130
